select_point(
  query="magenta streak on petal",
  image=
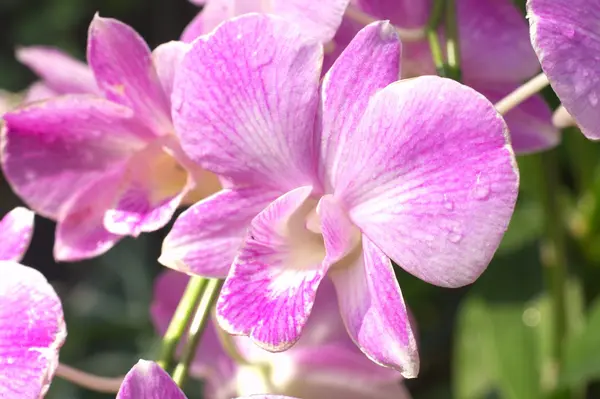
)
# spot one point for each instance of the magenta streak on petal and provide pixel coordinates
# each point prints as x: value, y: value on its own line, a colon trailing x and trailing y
x: 16, y: 229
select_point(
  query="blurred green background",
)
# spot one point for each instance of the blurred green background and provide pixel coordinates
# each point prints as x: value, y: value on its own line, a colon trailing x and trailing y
x: 490, y: 340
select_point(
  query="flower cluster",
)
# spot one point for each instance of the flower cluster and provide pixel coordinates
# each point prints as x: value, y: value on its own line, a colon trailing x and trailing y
x: 314, y: 150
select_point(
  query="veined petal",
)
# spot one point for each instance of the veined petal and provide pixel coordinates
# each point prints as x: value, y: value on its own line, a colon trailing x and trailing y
x: 16, y: 229
x: 32, y: 330
x: 245, y: 102
x: 206, y: 237
x: 374, y: 311
x: 431, y: 179
x: 123, y: 67
x: 80, y: 232
x: 59, y: 71
x: 566, y: 38
x: 147, y: 380
x: 529, y: 124
x: 369, y: 63
x: 166, y: 58
x: 213, y: 13
x: 53, y: 148
x: 319, y: 20
x: 494, y: 43
x: 270, y: 290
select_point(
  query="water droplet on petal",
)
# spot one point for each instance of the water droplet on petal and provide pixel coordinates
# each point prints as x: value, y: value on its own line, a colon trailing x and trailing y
x: 449, y: 205
x: 482, y: 189
x: 593, y: 98
x: 569, y: 31
x: 454, y: 237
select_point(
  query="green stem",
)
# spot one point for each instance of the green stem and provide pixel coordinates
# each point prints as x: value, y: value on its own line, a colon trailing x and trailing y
x: 230, y: 348
x: 554, y: 254
x: 432, y: 36
x: 189, y: 301
x: 452, y: 43
x: 195, y: 332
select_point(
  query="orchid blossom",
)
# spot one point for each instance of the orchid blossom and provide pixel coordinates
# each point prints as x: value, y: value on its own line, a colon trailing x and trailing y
x: 324, y: 363
x: 495, y: 51
x: 147, y: 380
x: 566, y: 36
x: 32, y: 328
x: 318, y: 20
x: 104, y: 166
x: 333, y: 178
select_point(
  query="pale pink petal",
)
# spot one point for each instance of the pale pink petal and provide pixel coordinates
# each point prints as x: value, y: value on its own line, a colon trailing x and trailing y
x: 430, y: 177
x: 206, y: 237
x: 53, y: 148
x: 374, y: 311
x: 32, y: 330
x: 566, y: 38
x: 80, y: 233
x: 215, y: 12
x: 38, y: 91
x: 319, y: 20
x: 249, y: 112
x: 123, y: 67
x: 167, y: 57
x: 529, y: 124
x: 147, y: 380
x: 494, y: 42
x: 59, y: 71
x: 368, y: 64
x: 270, y: 290
x: 16, y: 229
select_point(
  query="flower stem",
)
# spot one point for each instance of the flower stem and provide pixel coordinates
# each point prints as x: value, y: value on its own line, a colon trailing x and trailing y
x: 89, y: 381
x: 452, y: 42
x: 230, y: 348
x: 189, y: 301
x: 406, y: 35
x: 432, y: 36
x: 553, y: 253
x: 522, y: 93
x: 196, y: 328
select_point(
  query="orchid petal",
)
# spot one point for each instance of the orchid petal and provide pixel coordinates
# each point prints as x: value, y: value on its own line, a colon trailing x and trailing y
x: 206, y: 237
x: 166, y: 58
x: 271, y: 287
x: 59, y: 71
x: 250, y: 113
x: 566, y: 38
x: 374, y: 312
x: 215, y: 12
x: 16, y: 229
x: 52, y: 148
x: 32, y: 330
x: 431, y: 179
x: 369, y: 63
x: 80, y: 233
x: 122, y: 64
x: 38, y: 91
x: 147, y: 380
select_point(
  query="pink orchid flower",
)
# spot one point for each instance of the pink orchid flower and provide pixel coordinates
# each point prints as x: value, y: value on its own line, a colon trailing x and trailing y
x: 496, y: 57
x: 324, y: 364
x: 32, y: 327
x: 565, y: 36
x: 333, y: 178
x: 105, y: 167
x: 318, y: 20
x: 147, y: 380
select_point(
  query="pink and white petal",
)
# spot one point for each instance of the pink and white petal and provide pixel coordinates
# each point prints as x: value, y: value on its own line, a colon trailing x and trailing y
x: 32, y: 331
x: 59, y: 71
x: 16, y: 229
x: 369, y: 63
x: 213, y: 13
x: 530, y: 123
x: 38, y: 91
x: 431, y: 179
x: 123, y: 67
x: 53, y: 148
x: 374, y: 312
x: 80, y: 232
x: 319, y: 20
x: 270, y: 290
x: 494, y: 42
x: 566, y: 38
x: 255, y: 123
x: 166, y: 58
x: 206, y: 237
x: 147, y: 380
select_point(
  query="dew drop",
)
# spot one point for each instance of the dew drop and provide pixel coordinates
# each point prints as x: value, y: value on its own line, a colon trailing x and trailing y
x: 449, y: 205
x: 454, y: 237
x: 593, y: 98
x: 482, y: 192
x: 569, y: 31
